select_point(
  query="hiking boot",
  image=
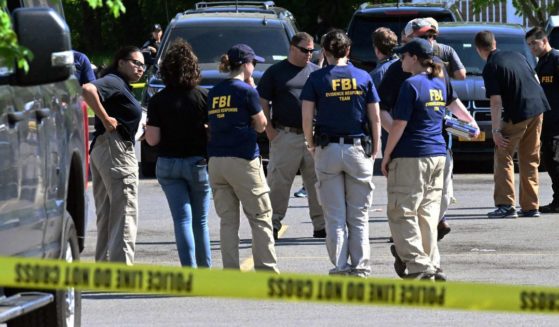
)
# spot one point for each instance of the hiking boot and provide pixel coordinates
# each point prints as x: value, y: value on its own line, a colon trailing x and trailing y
x: 399, y: 265
x: 529, y: 213
x: 443, y: 228
x: 503, y: 212
x: 321, y: 233
x: 553, y: 207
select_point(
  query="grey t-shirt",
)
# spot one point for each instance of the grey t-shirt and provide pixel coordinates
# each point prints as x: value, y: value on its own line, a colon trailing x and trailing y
x: 282, y: 84
x: 449, y: 57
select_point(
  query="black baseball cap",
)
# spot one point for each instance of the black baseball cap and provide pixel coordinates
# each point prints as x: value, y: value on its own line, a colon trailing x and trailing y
x: 156, y: 27
x: 242, y: 53
x: 418, y: 47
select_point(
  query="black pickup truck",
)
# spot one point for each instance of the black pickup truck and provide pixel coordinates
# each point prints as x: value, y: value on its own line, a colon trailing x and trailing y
x: 43, y: 164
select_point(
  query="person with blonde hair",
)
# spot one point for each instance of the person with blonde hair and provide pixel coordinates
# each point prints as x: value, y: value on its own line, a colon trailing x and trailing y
x: 414, y: 161
x: 235, y: 167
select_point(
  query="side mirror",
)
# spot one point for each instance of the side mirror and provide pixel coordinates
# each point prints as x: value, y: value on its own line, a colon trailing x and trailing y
x: 47, y: 35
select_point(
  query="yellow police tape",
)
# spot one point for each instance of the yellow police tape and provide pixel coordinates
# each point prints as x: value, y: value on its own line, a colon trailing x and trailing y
x: 53, y: 274
x: 138, y: 85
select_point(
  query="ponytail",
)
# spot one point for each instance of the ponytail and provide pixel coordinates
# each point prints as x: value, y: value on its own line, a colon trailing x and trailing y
x: 435, y: 69
x: 225, y: 66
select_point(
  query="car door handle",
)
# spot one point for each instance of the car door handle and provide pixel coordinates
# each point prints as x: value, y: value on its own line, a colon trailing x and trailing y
x: 40, y: 114
x: 14, y: 117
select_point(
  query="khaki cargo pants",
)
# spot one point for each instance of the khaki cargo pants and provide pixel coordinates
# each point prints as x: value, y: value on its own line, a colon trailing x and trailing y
x: 414, y: 199
x: 233, y: 180
x: 345, y: 190
x: 114, y: 170
x: 288, y: 154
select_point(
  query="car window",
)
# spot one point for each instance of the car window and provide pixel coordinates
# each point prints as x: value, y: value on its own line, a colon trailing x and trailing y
x: 210, y: 42
x: 465, y: 47
x: 554, y: 38
x: 363, y: 26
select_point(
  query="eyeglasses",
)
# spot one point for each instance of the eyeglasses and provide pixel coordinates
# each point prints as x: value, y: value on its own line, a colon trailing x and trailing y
x: 304, y: 50
x: 137, y: 63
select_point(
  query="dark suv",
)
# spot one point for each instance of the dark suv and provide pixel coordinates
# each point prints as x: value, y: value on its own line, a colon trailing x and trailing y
x: 211, y: 29
x: 472, y: 90
x: 368, y: 18
x: 552, y: 29
x: 43, y: 164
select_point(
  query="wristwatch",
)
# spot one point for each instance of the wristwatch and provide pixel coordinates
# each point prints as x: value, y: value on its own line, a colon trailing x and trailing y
x: 308, y: 145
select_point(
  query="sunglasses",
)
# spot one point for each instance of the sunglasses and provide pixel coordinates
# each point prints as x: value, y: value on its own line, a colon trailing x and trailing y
x: 137, y: 63
x: 304, y: 50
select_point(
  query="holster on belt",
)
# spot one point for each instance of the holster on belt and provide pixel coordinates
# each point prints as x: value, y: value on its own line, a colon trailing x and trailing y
x: 321, y: 139
x: 367, y: 144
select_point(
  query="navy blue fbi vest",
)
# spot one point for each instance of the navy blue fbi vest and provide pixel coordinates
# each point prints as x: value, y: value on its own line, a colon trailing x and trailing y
x: 341, y: 95
x: 231, y: 104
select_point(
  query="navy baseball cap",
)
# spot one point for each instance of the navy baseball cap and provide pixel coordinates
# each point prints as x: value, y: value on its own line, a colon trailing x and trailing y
x: 418, y: 47
x: 242, y: 53
x: 156, y: 27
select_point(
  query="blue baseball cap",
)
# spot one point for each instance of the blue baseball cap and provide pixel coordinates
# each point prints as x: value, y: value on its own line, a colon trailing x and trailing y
x: 418, y: 47
x: 242, y: 53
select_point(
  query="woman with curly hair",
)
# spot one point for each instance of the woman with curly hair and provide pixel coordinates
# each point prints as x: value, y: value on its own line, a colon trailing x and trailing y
x: 176, y: 123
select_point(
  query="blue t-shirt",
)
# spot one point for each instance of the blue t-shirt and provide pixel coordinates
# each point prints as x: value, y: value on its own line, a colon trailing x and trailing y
x: 84, y: 72
x: 422, y: 103
x: 341, y: 95
x: 231, y: 104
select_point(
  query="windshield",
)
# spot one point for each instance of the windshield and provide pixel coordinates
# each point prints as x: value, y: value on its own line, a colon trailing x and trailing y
x: 465, y: 47
x: 554, y: 38
x: 210, y: 42
x: 363, y: 27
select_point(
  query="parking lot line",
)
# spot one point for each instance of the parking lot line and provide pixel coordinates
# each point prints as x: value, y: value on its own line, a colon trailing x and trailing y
x: 248, y: 263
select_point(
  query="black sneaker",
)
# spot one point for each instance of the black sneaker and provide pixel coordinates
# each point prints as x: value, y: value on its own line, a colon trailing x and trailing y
x: 321, y: 233
x: 440, y: 276
x: 399, y: 265
x: 529, y: 213
x: 302, y: 193
x: 550, y: 208
x: 276, y: 231
x: 442, y: 229
x: 503, y: 212
x: 421, y: 276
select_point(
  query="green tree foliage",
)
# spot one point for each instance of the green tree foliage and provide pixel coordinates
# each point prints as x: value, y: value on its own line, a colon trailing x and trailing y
x: 98, y: 30
x: 533, y: 10
x: 95, y: 31
x: 12, y: 53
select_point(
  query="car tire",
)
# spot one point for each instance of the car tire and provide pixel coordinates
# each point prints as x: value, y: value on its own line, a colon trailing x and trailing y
x: 65, y: 310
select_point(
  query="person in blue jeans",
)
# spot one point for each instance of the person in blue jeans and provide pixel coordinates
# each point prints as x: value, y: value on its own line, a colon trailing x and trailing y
x: 176, y: 123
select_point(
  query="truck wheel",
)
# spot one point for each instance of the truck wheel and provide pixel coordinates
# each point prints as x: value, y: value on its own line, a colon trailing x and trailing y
x: 65, y: 310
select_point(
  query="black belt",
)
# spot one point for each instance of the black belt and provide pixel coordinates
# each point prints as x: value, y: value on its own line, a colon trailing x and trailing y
x: 288, y: 129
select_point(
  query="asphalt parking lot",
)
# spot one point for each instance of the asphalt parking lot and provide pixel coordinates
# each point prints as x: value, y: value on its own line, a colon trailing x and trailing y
x: 512, y: 251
